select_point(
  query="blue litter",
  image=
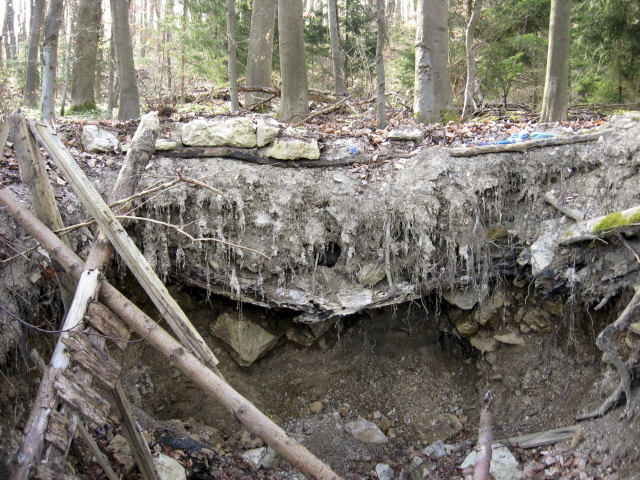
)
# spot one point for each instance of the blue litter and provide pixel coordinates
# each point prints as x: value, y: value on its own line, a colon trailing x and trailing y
x: 539, y: 135
x: 352, y: 150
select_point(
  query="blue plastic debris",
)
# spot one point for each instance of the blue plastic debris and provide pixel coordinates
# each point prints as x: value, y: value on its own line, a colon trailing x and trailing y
x: 539, y: 135
x: 352, y: 150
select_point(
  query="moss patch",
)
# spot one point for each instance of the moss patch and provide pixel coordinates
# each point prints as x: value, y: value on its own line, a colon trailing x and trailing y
x: 615, y: 220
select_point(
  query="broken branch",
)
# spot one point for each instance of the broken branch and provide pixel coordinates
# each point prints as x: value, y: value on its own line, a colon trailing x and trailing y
x: 485, y: 438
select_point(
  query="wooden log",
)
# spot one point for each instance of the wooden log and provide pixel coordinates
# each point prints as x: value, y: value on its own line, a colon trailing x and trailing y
x: 50, y: 471
x: 601, y: 226
x: 58, y: 431
x: 523, y: 147
x: 322, y: 111
x: 93, y: 359
x: 573, y: 213
x: 239, y: 407
x: 251, y: 156
x: 4, y: 132
x: 485, y: 438
x: 540, y: 439
x: 43, y: 200
x: 139, y: 448
x: 118, y: 237
x: 108, y: 324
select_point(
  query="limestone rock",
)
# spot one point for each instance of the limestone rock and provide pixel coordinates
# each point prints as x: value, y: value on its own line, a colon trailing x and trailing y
x: 510, y: 338
x: 247, y: 334
x: 467, y: 327
x: 300, y: 334
x: 635, y: 327
x: 493, y: 306
x: 233, y: 132
x: 263, y: 457
x: 465, y: 299
x: 292, y: 148
x: 346, y: 148
x: 163, y: 144
x: 437, y: 450
x: 384, y: 471
x: 406, y: 133
x: 438, y: 426
x: 97, y: 139
x: 370, y: 274
x: 168, y: 468
x: 484, y: 344
x: 366, y: 431
x: 537, y: 320
x: 316, y: 407
x: 504, y: 465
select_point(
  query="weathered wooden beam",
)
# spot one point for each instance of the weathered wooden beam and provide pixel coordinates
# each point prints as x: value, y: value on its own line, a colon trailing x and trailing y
x: 58, y: 431
x: 139, y: 448
x: 50, y: 471
x: 238, y: 406
x: 93, y: 359
x: 4, y: 132
x: 108, y: 324
x: 540, y: 439
x: 600, y: 226
x: 80, y: 396
x: 118, y: 237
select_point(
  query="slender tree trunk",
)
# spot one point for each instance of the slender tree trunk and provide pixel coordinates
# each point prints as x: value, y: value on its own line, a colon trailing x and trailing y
x: 380, y: 81
x: 473, y: 15
x: 70, y: 33
x: 433, y: 96
x: 8, y: 31
x: 185, y: 7
x: 50, y: 54
x: 168, y: 15
x: 337, y: 56
x: 97, y: 86
x: 86, y: 53
x: 294, y: 104
x: 129, y: 101
x: 35, y: 29
x: 231, y: 59
x: 556, y: 85
x: 259, y: 58
x: 111, y: 83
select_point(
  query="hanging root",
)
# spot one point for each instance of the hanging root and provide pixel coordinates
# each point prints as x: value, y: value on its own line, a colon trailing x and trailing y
x: 624, y: 368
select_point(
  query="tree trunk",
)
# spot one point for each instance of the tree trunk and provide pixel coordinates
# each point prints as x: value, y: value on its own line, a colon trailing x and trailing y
x: 70, y: 34
x: 473, y: 14
x: 86, y: 51
x: 259, y: 58
x: 185, y: 7
x: 380, y: 82
x: 129, y: 101
x: 433, y: 94
x: 556, y: 85
x: 111, y: 82
x: 50, y: 54
x: 231, y: 59
x: 168, y: 15
x: 8, y: 31
x: 31, y: 77
x: 337, y: 55
x: 294, y: 104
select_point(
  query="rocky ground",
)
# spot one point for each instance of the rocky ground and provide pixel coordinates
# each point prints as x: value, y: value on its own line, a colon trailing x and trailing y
x: 390, y: 392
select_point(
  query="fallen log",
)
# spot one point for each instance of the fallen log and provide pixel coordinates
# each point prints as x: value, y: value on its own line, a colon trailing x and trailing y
x: 600, y: 226
x: 485, y: 438
x: 523, y: 147
x: 239, y: 407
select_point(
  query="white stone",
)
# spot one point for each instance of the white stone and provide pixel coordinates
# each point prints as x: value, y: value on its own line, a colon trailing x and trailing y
x: 168, y: 468
x: 265, y: 134
x: 405, y: 133
x: 465, y: 299
x: 384, y: 471
x: 504, y: 465
x: 163, y: 144
x: 370, y: 274
x: 290, y: 148
x: 510, y: 338
x: 484, y: 344
x: 96, y: 139
x: 263, y: 457
x: 342, y: 148
x: 366, y: 431
x: 232, y: 132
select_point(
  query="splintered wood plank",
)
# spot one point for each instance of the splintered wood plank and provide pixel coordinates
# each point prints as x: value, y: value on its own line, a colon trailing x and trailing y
x: 103, y: 320
x: 540, y: 439
x: 96, y: 361
x: 50, y: 471
x: 97, y: 453
x: 81, y: 397
x: 4, y: 132
x: 139, y: 447
x: 58, y: 433
x: 116, y: 234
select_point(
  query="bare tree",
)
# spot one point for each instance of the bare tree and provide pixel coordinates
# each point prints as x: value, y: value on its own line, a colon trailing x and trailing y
x: 556, y: 85
x: 231, y: 59
x: 433, y: 95
x: 31, y: 77
x: 50, y: 55
x: 380, y: 80
x: 8, y: 31
x: 294, y: 104
x: 337, y: 56
x: 129, y: 101
x: 86, y: 52
x: 473, y: 13
x: 259, y: 58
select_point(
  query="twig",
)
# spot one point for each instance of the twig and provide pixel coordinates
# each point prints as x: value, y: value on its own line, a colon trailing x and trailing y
x: 322, y: 111
x: 573, y: 213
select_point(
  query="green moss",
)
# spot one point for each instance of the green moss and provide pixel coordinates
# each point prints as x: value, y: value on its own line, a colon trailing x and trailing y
x: 87, y: 107
x: 448, y: 115
x: 615, y: 220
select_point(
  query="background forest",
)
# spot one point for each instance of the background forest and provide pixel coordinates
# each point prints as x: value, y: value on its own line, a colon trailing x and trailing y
x: 180, y: 51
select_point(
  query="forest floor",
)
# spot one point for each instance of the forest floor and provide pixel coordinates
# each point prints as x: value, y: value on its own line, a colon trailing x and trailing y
x: 390, y: 366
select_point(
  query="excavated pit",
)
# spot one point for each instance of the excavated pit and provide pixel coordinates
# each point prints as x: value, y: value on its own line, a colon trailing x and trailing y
x: 400, y: 294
